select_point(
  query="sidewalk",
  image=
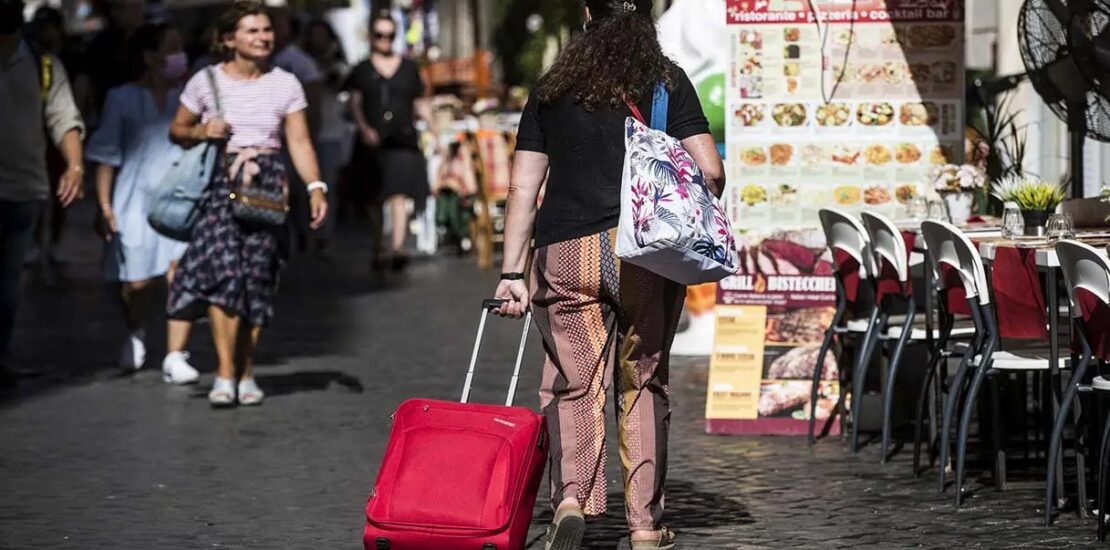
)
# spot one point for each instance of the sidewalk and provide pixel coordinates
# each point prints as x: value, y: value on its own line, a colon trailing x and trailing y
x: 95, y: 460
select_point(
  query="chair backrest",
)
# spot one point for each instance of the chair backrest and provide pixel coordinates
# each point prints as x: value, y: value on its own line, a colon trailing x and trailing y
x: 1084, y: 269
x: 950, y: 247
x: 845, y: 233
x: 1086, y: 213
x: 887, y: 242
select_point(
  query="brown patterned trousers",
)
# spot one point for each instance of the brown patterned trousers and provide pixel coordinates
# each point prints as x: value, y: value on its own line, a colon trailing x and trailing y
x: 583, y: 300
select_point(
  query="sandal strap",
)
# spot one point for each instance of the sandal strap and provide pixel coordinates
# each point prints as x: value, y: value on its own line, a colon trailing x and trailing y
x: 666, y: 539
x: 666, y: 536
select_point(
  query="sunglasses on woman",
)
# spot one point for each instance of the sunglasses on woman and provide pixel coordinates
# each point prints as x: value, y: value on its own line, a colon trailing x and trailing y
x: 385, y: 36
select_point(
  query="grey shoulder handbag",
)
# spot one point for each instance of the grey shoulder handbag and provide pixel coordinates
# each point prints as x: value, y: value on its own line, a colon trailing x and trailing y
x: 176, y: 205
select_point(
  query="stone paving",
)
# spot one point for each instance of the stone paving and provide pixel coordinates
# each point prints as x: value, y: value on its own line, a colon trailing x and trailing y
x: 95, y: 460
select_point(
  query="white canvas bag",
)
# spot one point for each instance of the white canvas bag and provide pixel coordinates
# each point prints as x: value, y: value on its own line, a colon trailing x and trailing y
x: 671, y: 223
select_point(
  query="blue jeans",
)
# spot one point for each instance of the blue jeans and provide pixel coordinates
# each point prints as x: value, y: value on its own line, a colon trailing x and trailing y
x: 16, y: 231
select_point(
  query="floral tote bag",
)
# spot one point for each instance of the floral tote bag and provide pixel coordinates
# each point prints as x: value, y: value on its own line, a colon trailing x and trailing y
x: 670, y: 223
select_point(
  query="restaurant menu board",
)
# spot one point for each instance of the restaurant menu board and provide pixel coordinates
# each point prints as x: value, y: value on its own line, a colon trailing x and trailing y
x: 848, y: 106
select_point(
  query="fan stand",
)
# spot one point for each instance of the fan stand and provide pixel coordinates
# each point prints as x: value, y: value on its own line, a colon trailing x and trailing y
x: 1077, y: 130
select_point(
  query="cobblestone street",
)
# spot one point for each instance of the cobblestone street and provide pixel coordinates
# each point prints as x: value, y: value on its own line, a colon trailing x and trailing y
x: 92, y: 459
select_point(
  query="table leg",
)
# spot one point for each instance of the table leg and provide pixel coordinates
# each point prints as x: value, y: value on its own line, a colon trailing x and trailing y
x: 938, y: 382
x: 1080, y: 421
x: 930, y: 290
x: 1054, y: 365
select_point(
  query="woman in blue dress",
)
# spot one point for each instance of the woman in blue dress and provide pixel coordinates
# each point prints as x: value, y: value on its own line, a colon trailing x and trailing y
x: 132, y: 151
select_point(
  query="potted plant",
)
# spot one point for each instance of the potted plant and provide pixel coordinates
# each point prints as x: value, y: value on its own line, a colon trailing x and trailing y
x: 1036, y: 199
x: 957, y: 186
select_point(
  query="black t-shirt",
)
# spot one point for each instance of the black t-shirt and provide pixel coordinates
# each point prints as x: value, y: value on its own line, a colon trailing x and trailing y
x: 389, y: 103
x: 586, y: 154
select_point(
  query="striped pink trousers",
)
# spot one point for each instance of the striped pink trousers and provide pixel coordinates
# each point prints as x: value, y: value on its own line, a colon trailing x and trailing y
x: 581, y: 293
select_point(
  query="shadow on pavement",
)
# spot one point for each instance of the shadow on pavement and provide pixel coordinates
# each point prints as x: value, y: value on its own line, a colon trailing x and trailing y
x: 285, y: 384
x: 689, y: 510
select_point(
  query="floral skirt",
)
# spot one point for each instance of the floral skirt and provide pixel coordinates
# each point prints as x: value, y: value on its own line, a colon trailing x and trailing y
x: 229, y: 263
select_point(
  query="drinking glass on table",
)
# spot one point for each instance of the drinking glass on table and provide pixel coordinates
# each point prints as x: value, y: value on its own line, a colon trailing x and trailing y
x: 937, y: 211
x: 917, y: 208
x: 1060, y: 226
x: 1013, y: 225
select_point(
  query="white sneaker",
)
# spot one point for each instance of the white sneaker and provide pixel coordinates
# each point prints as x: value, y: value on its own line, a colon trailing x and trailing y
x: 133, y: 353
x: 177, y: 370
x: 223, y: 393
x: 250, y: 393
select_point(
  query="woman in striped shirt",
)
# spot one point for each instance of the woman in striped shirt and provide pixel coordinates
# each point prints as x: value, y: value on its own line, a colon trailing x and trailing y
x: 230, y: 269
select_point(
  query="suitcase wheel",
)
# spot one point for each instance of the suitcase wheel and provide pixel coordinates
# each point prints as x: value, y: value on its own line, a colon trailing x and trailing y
x: 382, y: 543
x: 489, y: 546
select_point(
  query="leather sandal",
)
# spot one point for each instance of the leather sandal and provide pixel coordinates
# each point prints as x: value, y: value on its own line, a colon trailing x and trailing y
x: 566, y: 531
x: 667, y: 540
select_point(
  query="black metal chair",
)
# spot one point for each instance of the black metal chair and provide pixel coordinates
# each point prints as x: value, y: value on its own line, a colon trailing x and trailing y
x: 854, y: 270
x: 951, y: 249
x: 895, y: 289
x: 1087, y: 278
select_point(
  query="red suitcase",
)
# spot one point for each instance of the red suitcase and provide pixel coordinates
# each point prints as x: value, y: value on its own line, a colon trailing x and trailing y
x: 459, y: 476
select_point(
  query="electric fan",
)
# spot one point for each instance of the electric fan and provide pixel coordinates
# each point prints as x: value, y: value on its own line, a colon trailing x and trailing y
x: 1065, y: 46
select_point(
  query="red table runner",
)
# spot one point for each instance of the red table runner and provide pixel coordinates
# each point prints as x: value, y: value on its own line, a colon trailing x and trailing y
x: 1018, y: 295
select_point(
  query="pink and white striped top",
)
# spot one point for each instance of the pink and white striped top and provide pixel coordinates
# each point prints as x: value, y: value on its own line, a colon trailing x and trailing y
x: 255, y: 109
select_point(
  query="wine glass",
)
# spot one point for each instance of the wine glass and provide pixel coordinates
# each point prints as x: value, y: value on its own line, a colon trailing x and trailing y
x: 1013, y: 225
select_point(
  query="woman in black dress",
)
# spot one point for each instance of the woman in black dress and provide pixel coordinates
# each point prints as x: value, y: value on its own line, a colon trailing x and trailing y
x: 388, y: 166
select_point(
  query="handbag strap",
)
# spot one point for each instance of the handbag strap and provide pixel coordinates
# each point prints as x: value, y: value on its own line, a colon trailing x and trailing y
x: 221, y: 158
x: 211, y: 73
x: 660, y: 103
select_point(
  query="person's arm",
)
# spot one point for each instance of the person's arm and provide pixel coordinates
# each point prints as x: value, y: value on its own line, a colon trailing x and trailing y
x: 104, y: 150
x: 708, y: 158
x: 70, y: 187
x: 686, y: 122
x: 105, y: 176
x: 63, y: 120
x: 423, y: 107
x: 187, y: 131
x: 529, y: 173
x: 366, y: 132
x: 424, y: 111
x: 304, y: 160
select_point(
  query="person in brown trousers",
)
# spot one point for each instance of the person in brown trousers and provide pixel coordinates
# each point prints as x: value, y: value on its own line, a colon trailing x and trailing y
x: 601, y: 320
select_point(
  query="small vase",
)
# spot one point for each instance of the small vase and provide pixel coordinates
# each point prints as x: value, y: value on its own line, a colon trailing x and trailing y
x: 1035, y: 221
x: 959, y: 206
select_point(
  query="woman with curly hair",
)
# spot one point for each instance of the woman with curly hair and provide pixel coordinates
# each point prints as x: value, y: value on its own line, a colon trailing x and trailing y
x: 583, y: 298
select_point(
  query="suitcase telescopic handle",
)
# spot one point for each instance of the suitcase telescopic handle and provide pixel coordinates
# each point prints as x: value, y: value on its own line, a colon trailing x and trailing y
x: 487, y: 306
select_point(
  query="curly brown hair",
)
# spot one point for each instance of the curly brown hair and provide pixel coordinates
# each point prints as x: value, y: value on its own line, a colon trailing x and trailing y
x: 617, y: 58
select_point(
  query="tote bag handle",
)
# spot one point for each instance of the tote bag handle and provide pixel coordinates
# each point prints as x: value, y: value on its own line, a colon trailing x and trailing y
x: 660, y: 103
